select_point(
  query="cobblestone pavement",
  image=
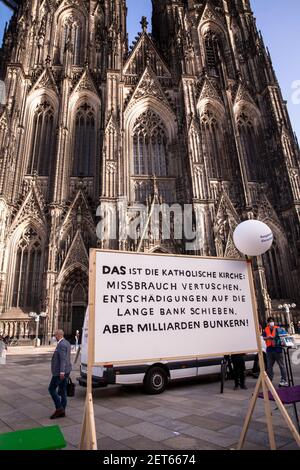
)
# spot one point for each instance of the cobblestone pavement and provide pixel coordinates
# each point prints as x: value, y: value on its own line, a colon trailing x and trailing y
x: 188, y: 416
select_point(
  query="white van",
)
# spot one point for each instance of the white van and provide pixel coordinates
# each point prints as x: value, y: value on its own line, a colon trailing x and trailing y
x: 153, y: 376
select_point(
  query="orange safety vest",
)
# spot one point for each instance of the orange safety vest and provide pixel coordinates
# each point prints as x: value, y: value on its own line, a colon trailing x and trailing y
x: 271, y: 342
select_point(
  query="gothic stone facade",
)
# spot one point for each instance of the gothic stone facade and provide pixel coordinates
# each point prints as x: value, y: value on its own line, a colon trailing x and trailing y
x: 89, y: 121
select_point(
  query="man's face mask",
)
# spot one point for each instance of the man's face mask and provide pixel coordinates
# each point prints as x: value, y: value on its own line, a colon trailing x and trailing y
x: 272, y: 324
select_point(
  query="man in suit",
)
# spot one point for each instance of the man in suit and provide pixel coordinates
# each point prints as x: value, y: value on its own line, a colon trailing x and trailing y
x: 61, y: 368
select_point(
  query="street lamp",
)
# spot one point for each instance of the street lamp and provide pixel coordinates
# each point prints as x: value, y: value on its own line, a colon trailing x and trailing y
x: 36, y: 317
x: 287, y: 308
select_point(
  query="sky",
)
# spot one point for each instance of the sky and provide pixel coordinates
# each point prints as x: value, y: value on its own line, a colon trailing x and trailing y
x: 279, y: 23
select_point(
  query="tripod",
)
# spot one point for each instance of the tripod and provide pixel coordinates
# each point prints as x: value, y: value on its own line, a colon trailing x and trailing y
x: 290, y: 378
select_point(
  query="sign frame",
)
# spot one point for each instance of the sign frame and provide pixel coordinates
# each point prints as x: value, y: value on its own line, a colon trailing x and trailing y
x: 88, y: 434
x: 155, y: 359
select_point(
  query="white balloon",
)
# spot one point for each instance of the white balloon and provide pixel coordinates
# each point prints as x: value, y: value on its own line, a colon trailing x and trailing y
x: 253, y: 238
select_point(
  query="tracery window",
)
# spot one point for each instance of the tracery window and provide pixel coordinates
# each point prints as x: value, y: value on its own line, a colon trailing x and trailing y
x: 212, y: 133
x: 72, y: 36
x: 211, y: 52
x: 150, y: 146
x: 142, y: 190
x: 274, y: 268
x: 84, y: 142
x: 78, y: 294
x: 249, y: 141
x: 217, y: 49
x: 211, y: 49
x: 42, y: 140
x: 28, y: 271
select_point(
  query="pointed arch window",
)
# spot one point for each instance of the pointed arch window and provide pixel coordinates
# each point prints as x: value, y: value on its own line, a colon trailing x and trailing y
x: 150, y: 146
x: 78, y: 295
x: 84, y: 142
x: 216, y: 49
x: 72, y: 36
x: 274, y: 267
x: 249, y: 142
x: 212, y: 53
x: 28, y: 271
x: 212, y: 141
x: 42, y: 140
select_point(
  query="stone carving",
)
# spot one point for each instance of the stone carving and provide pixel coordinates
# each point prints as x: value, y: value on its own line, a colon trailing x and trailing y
x: 209, y: 92
x: 148, y: 86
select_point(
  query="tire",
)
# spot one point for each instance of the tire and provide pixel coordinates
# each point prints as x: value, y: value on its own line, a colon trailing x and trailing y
x: 156, y: 381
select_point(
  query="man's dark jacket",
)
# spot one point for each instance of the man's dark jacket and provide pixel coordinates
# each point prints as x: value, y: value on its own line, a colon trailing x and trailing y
x: 61, y: 359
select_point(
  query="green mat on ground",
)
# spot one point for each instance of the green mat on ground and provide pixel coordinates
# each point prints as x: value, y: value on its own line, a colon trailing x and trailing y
x: 45, y: 438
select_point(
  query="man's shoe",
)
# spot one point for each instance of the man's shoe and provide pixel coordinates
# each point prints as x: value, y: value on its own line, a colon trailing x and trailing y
x: 244, y: 387
x: 58, y: 414
x: 283, y: 383
x: 236, y: 387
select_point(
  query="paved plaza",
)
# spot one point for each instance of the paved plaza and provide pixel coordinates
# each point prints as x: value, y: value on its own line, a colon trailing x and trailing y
x: 188, y: 416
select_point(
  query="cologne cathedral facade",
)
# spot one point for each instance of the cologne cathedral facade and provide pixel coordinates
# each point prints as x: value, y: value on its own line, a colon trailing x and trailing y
x: 190, y: 114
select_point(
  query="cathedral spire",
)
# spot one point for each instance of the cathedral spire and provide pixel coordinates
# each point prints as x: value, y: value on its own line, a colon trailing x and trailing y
x: 144, y: 24
x: 168, y: 30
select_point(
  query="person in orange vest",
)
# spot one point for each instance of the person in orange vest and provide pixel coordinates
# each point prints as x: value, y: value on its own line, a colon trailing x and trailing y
x: 274, y: 351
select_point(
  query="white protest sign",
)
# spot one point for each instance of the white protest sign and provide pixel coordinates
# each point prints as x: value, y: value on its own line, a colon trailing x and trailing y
x: 151, y: 307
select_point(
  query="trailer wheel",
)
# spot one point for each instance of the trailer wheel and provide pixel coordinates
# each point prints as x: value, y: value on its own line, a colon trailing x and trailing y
x: 156, y: 381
